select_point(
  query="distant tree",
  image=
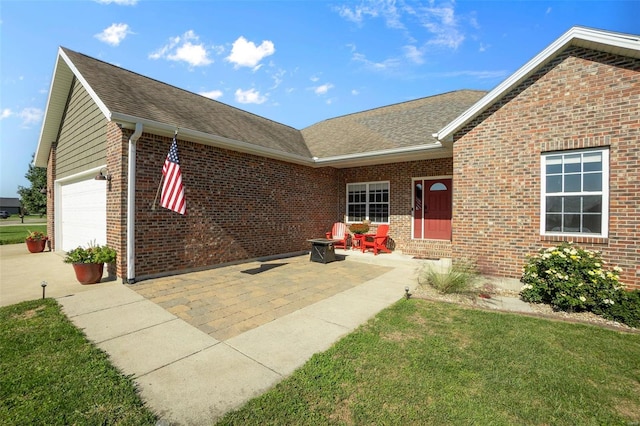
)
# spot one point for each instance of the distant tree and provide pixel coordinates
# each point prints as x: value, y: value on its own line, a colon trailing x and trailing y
x: 33, y: 199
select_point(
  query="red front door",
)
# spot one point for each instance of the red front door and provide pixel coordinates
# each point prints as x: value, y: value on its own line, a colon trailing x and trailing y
x: 432, y: 209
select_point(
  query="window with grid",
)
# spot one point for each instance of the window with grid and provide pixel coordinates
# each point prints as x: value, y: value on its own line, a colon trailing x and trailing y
x: 368, y: 201
x: 575, y: 193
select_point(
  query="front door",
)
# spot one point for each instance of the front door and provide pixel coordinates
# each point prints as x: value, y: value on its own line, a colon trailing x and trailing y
x: 432, y: 209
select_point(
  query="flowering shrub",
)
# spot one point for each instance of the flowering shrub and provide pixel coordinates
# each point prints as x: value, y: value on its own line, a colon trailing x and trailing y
x: 570, y: 278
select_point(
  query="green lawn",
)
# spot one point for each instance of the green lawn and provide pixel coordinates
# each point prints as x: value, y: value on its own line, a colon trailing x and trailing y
x: 431, y: 363
x: 51, y: 375
x: 13, y: 234
x: 418, y: 362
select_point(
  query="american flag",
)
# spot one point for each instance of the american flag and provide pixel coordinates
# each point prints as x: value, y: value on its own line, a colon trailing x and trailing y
x: 172, y: 189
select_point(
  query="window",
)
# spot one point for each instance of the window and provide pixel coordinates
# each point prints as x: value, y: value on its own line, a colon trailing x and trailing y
x: 368, y: 201
x: 575, y: 193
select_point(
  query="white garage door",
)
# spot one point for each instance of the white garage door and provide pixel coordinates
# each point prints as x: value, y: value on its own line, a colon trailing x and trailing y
x: 83, y: 215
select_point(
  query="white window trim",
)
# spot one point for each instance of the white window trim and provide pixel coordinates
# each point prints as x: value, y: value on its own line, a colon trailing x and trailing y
x: 367, y: 214
x: 605, y: 194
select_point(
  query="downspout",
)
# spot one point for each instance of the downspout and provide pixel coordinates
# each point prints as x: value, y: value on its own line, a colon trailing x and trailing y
x: 131, y: 206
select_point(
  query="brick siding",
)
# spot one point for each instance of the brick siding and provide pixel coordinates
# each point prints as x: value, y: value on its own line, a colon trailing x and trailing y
x: 400, y: 177
x: 581, y: 99
x: 239, y: 206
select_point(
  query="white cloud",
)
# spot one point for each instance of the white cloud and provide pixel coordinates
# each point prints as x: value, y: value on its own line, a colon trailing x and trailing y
x: 355, y: 92
x: 385, y: 9
x: 548, y: 10
x: 114, y: 34
x: 413, y: 54
x: 251, y: 96
x: 278, y: 78
x: 483, y: 47
x: 118, y: 2
x: 439, y: 18
x: 442, y: 23
x: 5, y: 113
x: 386, y: 65
x: 212, y: 94
x: 323, y: 89
x: 185, y: 48
x: 30, y: 116
x: 245, y: 53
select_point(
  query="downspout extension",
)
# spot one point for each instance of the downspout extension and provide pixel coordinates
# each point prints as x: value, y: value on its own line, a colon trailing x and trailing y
x: 131, y: 206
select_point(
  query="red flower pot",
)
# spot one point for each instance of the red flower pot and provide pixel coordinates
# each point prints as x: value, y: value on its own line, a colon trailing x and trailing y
x: 88, y: 273
x: 36, y: 246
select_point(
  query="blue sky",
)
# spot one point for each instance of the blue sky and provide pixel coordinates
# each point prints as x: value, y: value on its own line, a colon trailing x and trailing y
x: 295, y: 62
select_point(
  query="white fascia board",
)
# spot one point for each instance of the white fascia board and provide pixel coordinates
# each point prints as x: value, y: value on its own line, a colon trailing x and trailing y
x: 378, y: 157
x: 62, y: 77
x: 209, y: 139
x: 350, y: 160
x: 86, y: 86
x: 575, y: 34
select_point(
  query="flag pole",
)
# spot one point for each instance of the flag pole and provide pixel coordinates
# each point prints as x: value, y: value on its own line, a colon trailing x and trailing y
x: 155, y: 200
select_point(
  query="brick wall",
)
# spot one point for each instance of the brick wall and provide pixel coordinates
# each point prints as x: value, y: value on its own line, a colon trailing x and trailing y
x: 581, y: 99
x: 239, y: 206
x: 117, y: 152
x: 399, y: 176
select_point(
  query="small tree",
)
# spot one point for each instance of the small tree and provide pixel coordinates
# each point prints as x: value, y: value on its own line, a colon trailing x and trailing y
x: 33, y: 199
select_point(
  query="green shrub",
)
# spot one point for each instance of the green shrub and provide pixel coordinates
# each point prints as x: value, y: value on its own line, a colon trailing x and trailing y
x: 461, y: 278
x: 570, y: 278
x: 91, y: 254
x: 626, y: 309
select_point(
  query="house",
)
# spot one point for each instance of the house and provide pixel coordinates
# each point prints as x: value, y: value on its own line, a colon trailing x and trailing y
x: 463, y: 174
x: 10, y: 205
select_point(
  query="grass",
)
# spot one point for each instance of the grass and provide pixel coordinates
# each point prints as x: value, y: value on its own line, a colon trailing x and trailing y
x: 13, y: 234
x: 422, y: 362
x: 50, y: 374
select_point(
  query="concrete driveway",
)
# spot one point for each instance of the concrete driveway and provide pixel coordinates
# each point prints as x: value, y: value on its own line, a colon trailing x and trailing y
x: 21, y: 275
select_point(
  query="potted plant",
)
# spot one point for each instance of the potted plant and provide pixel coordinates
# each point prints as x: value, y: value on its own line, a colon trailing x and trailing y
x: 359, y: 228
x: 36, y: 241
x: 88, y: 263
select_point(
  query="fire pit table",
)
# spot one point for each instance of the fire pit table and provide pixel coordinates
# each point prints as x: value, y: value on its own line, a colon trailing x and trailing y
x: 322, y: 250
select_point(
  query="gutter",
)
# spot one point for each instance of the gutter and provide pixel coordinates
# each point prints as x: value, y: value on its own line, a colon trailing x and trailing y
x: 388, y: 154
x: 131, y: 205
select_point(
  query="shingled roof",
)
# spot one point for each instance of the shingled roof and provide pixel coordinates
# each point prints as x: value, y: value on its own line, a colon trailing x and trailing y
x: 128, y: 93
x: 395, y: 126
x: 128, y: 98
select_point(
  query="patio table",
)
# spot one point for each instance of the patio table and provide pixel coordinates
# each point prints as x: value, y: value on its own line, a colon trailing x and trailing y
x: 322, y: 250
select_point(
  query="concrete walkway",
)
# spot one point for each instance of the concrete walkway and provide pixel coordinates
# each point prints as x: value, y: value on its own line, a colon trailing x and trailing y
x: 192, y: 378
x: 201, y: 344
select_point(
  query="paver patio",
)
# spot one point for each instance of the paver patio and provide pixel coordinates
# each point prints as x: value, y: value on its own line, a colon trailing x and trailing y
x: 228, y: 301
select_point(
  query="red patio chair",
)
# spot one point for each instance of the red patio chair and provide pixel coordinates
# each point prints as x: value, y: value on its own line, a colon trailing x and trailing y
x: 339, y: 232
x: 377, y: 241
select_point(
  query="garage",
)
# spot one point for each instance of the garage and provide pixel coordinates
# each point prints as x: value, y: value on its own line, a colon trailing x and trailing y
x: 82, y: 214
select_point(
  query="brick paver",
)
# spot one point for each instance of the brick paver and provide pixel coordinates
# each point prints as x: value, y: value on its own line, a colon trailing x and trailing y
x: 228, y: 301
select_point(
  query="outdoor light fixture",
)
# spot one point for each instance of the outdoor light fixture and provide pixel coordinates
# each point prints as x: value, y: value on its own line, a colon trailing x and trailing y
x: 103, y: 175
x: 43, y: 284
x: 406, y: 292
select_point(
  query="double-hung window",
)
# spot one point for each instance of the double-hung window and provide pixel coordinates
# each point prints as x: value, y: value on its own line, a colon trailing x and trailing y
x: 368, y: 201
x: 575, y: 193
